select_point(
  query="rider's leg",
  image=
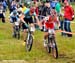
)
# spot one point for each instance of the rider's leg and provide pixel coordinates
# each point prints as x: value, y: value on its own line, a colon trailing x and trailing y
x: 24, y: 31
x: 24, y: 34
x: 24, y: 37
x: 45, y: 38
x: 3, y: 18
x: 32, y: 28
x: 45, y: 35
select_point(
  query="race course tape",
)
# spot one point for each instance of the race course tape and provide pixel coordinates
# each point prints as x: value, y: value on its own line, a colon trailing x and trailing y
x: 72, y: 22
x: 65, y: 32
x: 62, y: 30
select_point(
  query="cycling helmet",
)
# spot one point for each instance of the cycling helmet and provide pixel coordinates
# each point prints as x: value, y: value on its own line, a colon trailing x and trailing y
x: 53, y: 12
x: 32, y: 10
x: 65, y: 2
x: 14, y: 12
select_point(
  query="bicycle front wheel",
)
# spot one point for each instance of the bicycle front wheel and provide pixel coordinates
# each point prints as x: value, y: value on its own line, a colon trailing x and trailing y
x: 54, y: 49
x: 29, y: 43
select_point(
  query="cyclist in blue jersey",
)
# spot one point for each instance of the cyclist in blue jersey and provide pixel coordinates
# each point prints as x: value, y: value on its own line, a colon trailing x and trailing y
x: 27, y: 18
x: 13, y: 16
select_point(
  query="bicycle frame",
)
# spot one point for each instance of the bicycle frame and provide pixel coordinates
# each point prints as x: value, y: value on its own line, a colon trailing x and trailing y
x: 16, y: 30
x: 50, y: 36
x: 29, y: 41
x: 28, y: 33
x: 51, y: 46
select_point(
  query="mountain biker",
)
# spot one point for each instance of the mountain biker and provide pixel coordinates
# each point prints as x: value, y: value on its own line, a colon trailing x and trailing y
x: 27, y: 18
x: 50, y: 24
x: 2, y: 13
x: 14, y: 17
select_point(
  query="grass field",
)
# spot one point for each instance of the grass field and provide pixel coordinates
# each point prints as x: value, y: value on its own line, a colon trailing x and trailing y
x: 12, y: 49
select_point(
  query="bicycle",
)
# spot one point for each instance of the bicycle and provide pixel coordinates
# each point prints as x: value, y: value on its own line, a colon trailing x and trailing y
x: 16, y: 30
x: 29, y: 39
x: 51, y: 44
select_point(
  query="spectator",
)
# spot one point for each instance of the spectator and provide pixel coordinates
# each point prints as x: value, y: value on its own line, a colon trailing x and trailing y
x: 58, y: 7
x: 4, y: 5
x: 36, y: 8
x: 2, y: 14
x: 42, y: 10
x: 53, y: 4
x: 13, y: 6
x: 68, y: 14
x: 60, y: 15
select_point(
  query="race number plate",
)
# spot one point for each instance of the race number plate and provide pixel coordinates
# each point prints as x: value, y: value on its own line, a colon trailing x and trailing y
x: 16, y: 23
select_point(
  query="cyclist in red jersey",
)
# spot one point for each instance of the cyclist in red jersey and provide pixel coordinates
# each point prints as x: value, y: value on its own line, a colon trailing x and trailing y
x: 50, y: 24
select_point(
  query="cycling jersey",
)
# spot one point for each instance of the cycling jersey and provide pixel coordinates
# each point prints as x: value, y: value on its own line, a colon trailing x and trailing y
x: 23, y: 9
x: 27, y: 13
x: 13, y: 17
x: 50, y: 22
x: 28, y: 18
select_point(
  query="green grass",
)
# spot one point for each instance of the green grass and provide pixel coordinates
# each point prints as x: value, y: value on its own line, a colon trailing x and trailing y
x: 12, y: 49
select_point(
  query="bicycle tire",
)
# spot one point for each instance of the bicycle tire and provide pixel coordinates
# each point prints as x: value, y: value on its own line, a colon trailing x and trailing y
x: 55, y: 50
x: 18, y: 35
x: 16, y: 32
x: 48, y: 49
x: 48, y: 46
x: 30, y: 43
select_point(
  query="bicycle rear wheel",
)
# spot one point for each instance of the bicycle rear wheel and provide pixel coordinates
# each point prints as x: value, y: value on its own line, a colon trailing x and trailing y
x: 18, y: 35
x: 54, y: 49
x: 29, y: 43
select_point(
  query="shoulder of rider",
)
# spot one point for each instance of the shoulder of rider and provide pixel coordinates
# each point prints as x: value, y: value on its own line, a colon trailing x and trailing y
x: 26, y: 11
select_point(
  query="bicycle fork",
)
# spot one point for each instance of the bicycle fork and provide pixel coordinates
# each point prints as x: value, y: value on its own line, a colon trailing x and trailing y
x: 51, y: 41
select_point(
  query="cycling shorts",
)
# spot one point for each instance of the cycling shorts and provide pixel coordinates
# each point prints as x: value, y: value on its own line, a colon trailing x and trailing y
x: 28, y: 21
x: 13, y: 19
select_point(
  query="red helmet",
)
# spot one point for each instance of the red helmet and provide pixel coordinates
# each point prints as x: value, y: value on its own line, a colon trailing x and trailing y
x: 32, y: 10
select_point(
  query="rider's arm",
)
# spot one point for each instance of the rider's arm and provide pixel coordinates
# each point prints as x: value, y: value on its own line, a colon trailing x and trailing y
x: 23, y: 15
x: 58, y: 22
x: 22, y: 18
x: 11, y: 14
x: 38, y: 22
